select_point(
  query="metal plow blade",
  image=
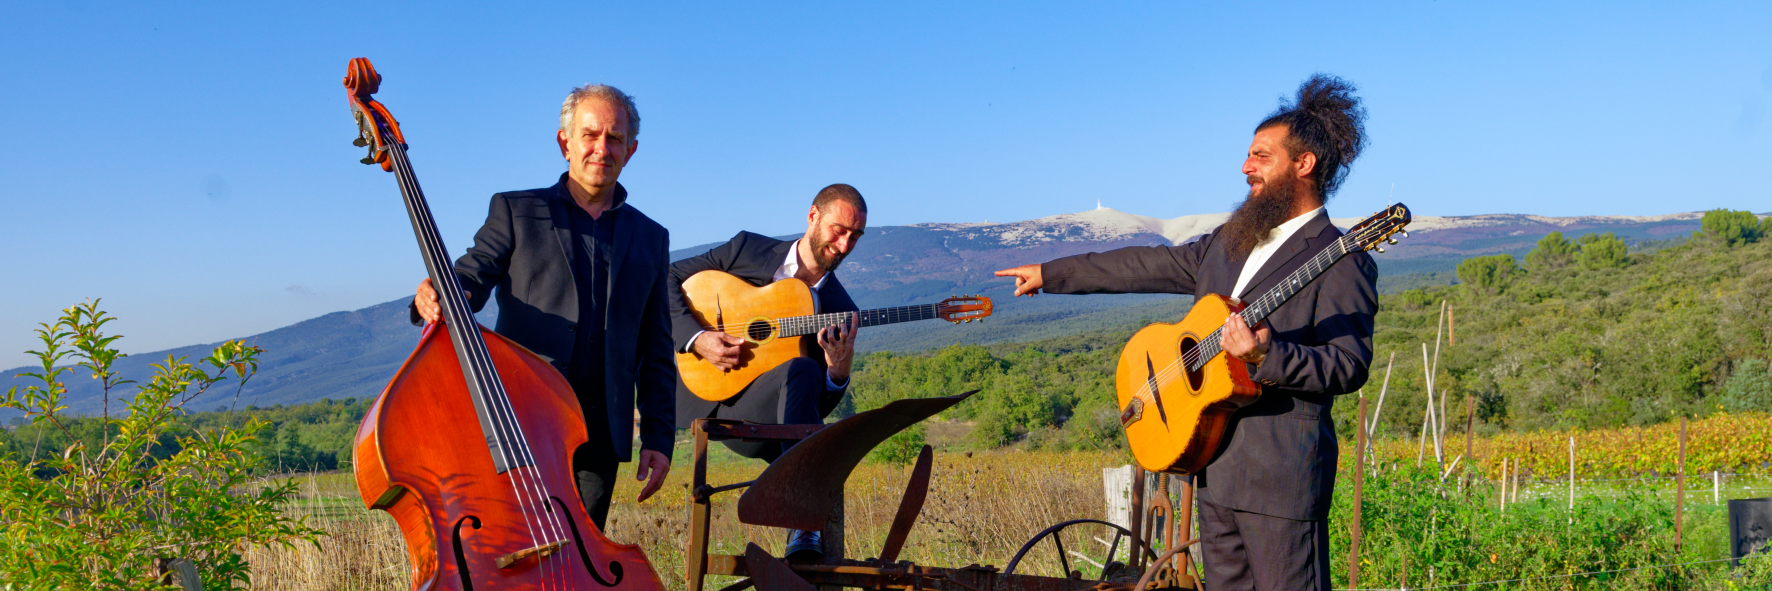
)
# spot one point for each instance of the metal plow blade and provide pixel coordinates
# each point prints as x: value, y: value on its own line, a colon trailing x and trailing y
x: 802, y: 487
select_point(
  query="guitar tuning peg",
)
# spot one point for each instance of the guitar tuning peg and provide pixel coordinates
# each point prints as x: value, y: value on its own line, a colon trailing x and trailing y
x: 1380, y: 249
x: 1391, y: 240
x: 1404, y: 232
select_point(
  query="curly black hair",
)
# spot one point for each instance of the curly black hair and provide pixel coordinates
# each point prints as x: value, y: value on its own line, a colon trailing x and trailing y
x: 1327, y: 120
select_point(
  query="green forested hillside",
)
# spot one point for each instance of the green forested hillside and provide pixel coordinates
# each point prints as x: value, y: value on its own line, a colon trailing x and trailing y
x: 1581, y: 334
x: 1586, y: 335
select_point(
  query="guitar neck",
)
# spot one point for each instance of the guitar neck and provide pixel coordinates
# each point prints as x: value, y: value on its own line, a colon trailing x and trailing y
x: 794, y: 326
x: 1258, y: 310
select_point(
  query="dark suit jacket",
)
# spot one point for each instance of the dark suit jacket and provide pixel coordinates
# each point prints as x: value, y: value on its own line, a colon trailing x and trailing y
x: 524, y: 252
x: 1280, y: 457
x: 753, y: 258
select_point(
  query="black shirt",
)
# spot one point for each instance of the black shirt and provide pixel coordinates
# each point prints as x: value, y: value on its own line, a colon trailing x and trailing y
x: 592, y: 242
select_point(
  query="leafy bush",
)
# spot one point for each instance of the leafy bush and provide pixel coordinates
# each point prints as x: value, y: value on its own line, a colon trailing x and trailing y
x: 124, y: 494
x: 1602, y: 251
x: 1749, y: 389
x: 1553, y: 252
x: 1732, y: 228
x: 902, y: 448
x: 1489, y: 275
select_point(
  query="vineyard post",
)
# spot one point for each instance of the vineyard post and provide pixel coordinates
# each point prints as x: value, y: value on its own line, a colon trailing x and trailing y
x: 1680, y: 490
x: 1470, y: 418
x: 1353, y: 559
x: 1451, y: 332
x: 1503, y: 483
x: 1716, y: 487
x: 1571, y: 481
x: 1429, y: 423
x: 1433, y: 384
x: 1381, y: 390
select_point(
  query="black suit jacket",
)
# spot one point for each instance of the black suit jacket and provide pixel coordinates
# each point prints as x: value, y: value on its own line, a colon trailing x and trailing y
x: 523, y: 251
x: 753, y: 258
x: 1279, y: 459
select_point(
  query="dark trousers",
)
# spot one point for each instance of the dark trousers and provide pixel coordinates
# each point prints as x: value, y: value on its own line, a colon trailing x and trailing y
x: 791, y: 394
x: 1248, y: 551
x: 593, y: 464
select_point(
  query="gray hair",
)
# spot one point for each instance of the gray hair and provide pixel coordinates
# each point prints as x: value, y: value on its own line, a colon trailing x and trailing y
x: 606, y: 92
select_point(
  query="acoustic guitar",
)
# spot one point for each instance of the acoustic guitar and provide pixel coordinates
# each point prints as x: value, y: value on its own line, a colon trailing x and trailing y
x: 774, y: 319
x: 1177, y: 387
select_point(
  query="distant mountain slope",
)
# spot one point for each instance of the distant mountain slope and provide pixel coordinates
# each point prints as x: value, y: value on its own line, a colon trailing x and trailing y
x: 352, y: 354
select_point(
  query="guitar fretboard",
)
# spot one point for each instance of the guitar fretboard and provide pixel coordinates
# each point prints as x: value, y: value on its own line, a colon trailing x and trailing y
x: 794, y: 326
x: 1259, y: 309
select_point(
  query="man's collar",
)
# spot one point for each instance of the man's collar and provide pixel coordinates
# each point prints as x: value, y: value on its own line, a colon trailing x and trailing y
x: 792, y: 264
x: 1289, y: 227
x: 621, y: 193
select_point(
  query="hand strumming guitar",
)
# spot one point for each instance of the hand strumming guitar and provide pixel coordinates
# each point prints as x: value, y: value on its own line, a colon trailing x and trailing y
x: 719, y: 348
x: 1242, y: 343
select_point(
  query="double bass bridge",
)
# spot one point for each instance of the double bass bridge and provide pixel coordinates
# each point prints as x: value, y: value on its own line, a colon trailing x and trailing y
x: 539, y: 552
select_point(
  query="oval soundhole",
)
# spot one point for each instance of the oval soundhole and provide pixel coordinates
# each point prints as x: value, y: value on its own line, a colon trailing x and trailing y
x: 759, y: 330
x: 1194, y: 376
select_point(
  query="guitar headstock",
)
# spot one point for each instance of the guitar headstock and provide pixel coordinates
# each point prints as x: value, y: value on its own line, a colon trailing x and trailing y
x: 959, y: 309
x: 1376, y: 231
x: 376, y: 128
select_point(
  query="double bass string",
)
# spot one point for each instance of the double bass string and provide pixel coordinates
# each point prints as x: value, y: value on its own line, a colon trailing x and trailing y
x: 513, y: 447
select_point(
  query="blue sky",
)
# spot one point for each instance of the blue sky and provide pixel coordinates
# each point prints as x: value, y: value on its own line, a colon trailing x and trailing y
x: 191, y: 164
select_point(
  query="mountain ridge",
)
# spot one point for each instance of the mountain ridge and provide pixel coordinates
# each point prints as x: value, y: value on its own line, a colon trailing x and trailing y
x: 351, y: 354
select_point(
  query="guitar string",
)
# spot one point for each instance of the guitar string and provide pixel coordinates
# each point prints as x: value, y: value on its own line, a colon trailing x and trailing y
x: 1264, y: 305
x: 804, y: 325
x: 506, y: 427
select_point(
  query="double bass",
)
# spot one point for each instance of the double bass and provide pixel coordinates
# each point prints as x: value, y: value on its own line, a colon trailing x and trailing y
x: 469, y: 448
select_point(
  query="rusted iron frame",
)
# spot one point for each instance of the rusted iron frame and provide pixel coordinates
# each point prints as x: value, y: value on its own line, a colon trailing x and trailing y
x: 695, y: 556
x: 1014, y: 561
x: 915, y: 492
x: 874, y: 574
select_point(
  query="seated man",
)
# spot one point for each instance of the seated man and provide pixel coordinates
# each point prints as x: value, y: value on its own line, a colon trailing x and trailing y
x: 808, y: 388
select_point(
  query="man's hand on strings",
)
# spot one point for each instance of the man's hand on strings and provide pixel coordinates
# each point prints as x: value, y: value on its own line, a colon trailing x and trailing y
x: 1027, y: 279
x: 654, y: 466
x: 1242, y: 343
x: 838, y: 343
x: 718, y: 348
x: 426, y: 301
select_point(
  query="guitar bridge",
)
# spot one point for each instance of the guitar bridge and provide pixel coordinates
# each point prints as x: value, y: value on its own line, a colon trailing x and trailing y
x: 1134, y: 411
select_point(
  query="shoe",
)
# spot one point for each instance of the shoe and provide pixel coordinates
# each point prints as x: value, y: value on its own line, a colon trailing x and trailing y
x: 805, y: 546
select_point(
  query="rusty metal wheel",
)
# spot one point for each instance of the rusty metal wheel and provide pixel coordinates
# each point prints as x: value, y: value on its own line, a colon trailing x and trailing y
x: 1108, y: 566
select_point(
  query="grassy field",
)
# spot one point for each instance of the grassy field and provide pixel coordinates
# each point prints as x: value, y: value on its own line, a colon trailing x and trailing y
x: 1419, y: 531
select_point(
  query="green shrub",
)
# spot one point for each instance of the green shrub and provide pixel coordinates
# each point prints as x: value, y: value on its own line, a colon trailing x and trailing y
x: 125, y: 493
x: 1553, y: 252
x: 1749, y: 389
x: 1602, y: 251
x: 902, y: 448
x: 1732, y: 228
x: 1489, y: 275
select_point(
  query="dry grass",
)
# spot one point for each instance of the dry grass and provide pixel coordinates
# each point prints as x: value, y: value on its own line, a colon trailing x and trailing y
x: 981, y: 508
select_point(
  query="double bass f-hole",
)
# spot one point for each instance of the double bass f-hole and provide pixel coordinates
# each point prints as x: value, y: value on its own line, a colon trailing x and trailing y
x: 585, y: 558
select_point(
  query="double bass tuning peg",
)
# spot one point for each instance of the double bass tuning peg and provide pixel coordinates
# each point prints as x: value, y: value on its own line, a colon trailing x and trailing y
x: 360, y: 142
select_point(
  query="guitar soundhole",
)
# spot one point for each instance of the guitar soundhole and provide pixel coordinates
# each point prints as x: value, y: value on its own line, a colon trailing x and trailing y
x: 1194, y: 376
x: 759, y: 330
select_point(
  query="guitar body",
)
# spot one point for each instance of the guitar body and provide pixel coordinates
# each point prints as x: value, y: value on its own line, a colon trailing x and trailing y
x: 1182, y: 423
x: 748, y: 311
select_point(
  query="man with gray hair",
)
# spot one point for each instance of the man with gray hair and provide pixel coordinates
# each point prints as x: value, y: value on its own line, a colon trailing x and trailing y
x: 580, y: 276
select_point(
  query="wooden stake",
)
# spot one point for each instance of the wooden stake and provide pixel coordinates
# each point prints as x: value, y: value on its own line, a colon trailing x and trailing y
x: 1353, y: 558
x: 1680, y: 490
x: 1716, y: 487
x: 1373, y: 428
x: 1503, y: 482
x: 1451, y: 333
x: 1470, y: 418
x: 1571, y: 480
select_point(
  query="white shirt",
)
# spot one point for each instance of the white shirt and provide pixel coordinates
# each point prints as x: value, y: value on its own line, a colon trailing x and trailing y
x: 1265, y: 249
x: 789, y: 268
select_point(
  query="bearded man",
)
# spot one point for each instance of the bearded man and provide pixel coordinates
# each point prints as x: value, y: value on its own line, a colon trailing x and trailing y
x: 1264, y: 498
x: 807, y: 388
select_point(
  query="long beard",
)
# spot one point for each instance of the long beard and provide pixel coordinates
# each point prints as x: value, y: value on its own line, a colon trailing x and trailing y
x: 1256, y: 217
